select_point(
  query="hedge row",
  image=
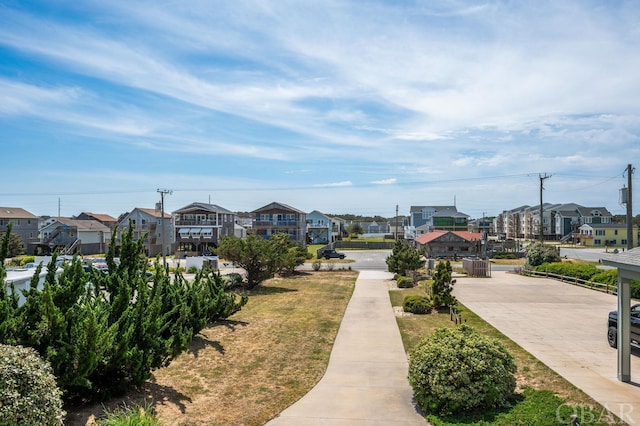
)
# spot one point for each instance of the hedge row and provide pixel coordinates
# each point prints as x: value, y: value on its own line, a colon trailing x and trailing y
x: 588, y: 273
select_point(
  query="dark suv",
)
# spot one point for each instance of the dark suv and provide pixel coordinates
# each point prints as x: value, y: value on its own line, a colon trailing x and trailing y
x: 612, y: 332
x: 328, y: 254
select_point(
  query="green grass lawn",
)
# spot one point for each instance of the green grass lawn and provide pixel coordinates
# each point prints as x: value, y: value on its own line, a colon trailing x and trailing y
x: 543, y: 397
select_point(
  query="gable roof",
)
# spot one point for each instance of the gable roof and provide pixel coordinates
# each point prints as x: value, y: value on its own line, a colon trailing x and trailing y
x: 213, y: 208
x: 86, y: 225
x: 588, y: 211
x: 278, y: 206
x: 15, y: 213
x: 101, y: 217
x: 434, y: 235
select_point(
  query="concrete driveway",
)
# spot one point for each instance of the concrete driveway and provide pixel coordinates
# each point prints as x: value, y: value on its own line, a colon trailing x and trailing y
x: 562, y: 325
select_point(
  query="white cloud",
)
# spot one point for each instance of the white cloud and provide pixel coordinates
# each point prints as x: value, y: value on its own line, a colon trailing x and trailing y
x: 389, y: 181
x: 334, y: 184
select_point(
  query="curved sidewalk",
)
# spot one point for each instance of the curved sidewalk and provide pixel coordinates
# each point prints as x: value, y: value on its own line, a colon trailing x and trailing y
x: 366, y: 379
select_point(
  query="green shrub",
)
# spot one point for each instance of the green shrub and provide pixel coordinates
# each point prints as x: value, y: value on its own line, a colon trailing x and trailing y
x: 28, y: 391
x: 610, y: 276
x: 635, y: 289
x: 404, y: 282
x: 538, y: 253
x: 192, y: 269
x: 232, y: 280
x: 504, y: 256
x: 458, y: 370
x: 316, y: 265
x: 417, y: 304
x: 583, y: 272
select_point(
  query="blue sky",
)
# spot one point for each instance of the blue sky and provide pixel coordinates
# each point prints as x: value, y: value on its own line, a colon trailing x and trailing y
x: 337, y: 106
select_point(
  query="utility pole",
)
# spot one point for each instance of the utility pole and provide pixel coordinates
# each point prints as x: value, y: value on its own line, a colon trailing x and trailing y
x: 542, y: 179
x: 163, y: 192
x: 630, y: 170
x: 396, y: 222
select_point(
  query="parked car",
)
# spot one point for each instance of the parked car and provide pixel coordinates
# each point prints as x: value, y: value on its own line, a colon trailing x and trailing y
x: 612, y: 331
x: 332, y: 254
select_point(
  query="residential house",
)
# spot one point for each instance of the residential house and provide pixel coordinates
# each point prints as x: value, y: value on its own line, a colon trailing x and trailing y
x: 604, y: 234
x: 105, y: 219
x: 23, y: 224
x: 200, y: 226
x: 437, y: 217
x: 150, y: 222
x: 323, y: 229
x: 69, y: 236
x: 375, y: 228
x: 450, y: 244
x: 280, y: 218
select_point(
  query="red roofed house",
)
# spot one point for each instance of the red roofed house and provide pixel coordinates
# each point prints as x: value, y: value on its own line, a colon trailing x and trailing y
x: 450, y: 244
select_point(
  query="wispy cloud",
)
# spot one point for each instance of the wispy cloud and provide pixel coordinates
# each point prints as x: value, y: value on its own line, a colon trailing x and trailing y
x: 388, y: 181
x: 333, y: 184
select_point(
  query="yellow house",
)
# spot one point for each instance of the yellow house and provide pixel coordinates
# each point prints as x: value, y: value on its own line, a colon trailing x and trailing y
x: 605, y: 234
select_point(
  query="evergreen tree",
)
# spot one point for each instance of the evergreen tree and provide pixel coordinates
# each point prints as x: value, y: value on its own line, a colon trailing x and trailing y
x: 443, y: 286
x: 262, y: 259
x: 105, y: 332
x: 404, y: 258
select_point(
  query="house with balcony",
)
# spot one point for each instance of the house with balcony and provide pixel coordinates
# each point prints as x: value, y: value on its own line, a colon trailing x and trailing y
x: 23, y: 224
x: 604, y: 234
x: 73, y: 236
x: 429, y: 218
x: 149, y: 223
x: 321, y: 229
x: 200, y: 226
x: 280, y: 218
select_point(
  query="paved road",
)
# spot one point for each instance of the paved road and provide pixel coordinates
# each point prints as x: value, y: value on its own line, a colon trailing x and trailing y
x: 562, y: 325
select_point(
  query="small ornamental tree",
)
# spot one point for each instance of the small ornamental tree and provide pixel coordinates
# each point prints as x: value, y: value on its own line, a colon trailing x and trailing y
x: 538, y: 253
x: 262, y: 259
x: 442, y: 286
x: 404, y: 258
x: 458, y: 370
x: 28, y: 391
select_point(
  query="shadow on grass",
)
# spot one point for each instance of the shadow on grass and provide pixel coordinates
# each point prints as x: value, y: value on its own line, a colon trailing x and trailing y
x: 267, y: 290
x: 151, y: 395
x: 200, y: 342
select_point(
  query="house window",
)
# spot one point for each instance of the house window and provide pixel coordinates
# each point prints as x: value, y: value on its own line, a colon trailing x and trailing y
x: 623, y: 242
x: 600, y: 232
x: 615, y: 232
x: 597, y: 242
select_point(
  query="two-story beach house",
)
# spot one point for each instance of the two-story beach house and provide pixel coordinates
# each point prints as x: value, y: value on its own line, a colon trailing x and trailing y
x: 278, y: 217
x: 200, y: 226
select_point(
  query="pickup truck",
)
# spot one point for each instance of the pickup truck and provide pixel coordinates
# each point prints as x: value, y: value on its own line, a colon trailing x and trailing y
x: 612, y: 331
x: 328, y: 254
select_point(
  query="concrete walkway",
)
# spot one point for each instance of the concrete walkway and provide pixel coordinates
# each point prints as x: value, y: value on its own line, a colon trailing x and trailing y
x: 366, y: 379
x: 562, y: 325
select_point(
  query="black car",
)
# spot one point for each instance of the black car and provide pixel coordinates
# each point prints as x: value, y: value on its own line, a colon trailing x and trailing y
x: 329, y: 254
x: 612, y: 331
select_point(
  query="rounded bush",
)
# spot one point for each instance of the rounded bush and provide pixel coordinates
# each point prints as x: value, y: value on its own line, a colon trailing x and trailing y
x: 404, y: 282
x: 28, y: 391
x: 417, y: 304
x: 457, y: 370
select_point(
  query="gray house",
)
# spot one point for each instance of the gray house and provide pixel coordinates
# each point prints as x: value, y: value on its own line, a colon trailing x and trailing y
x: 200, y: 226
x: 24, y: 224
